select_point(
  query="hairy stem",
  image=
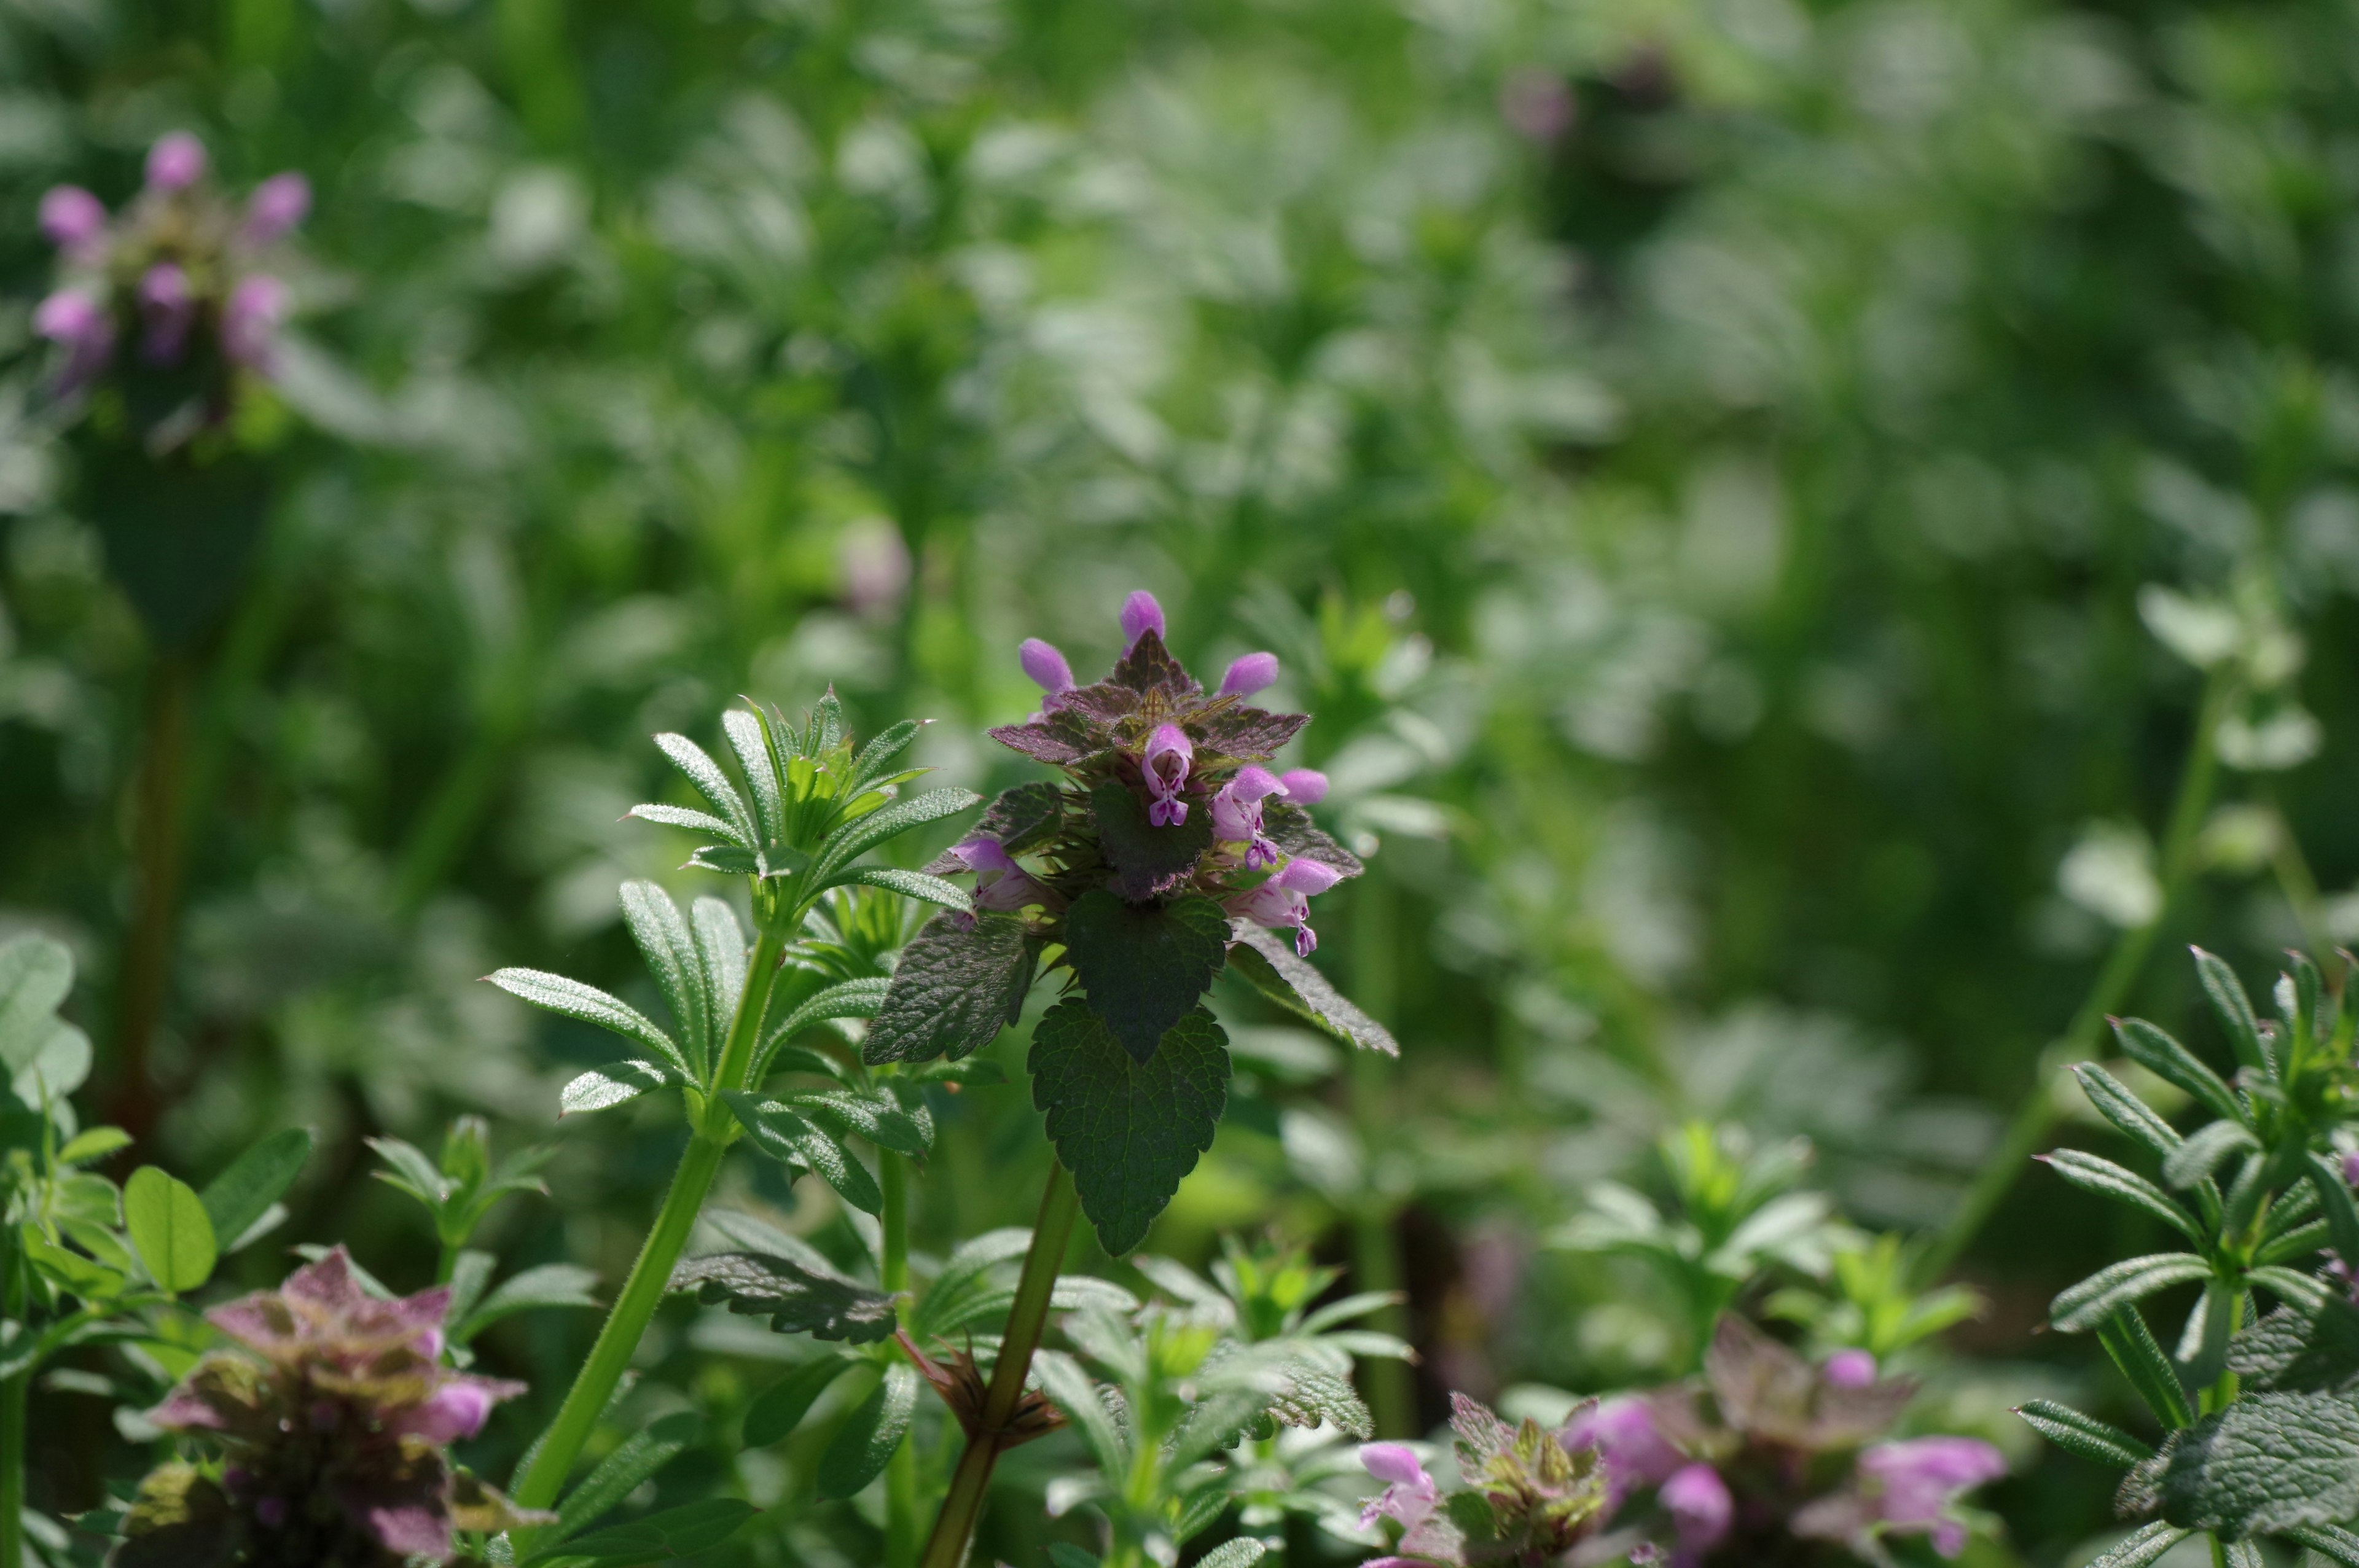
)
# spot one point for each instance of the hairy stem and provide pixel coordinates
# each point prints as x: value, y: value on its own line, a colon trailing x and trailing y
x: 544, y: 1476
x: 901, y: 1470
x: 1027, y: 1319
x: 146, y: 967
x: 2037, y: 1116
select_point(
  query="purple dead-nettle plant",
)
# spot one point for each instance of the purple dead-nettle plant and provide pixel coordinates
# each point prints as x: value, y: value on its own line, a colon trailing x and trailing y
x: 330, y: 1423
x: 185, y: 276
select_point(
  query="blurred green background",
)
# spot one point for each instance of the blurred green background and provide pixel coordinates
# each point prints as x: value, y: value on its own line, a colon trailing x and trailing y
x: 1699, y: 459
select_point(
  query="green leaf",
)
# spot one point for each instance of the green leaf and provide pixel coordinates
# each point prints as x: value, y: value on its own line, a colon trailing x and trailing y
x: 780, y: 1408
x: 548, y: 1285
x: 1021, y: 818
x: 2335, y: 1204
x: 2091, y: 1173
x: 743, y: 732
x: 1127, y: 1130
x: 919, y: 885
x: 1242, y: 1552
x: 2132, y: 1348
x: 2165, y: 1057
x: 1269, y: 962
x: 241, y: 1194
x: 591, y: 1005
x: 669, y: 949
x: 684, y: 817
x: 623, y: 1472
x: 2195, y: 1160
x: 2117, y: 1105
x: 863, y: 1444
x: 1142, y: 966
x: 2309, y: 1347
x: 796, y: 1297
x: 863, y: 833
x: 712, y: 784
x: 2084, y: 1435
x: 2235, y: 1011
x: 2145, y: 1546
x: 2119, y: 1284
x: 1075, y: 1392
x: 778, y: 1131
x: 603, y: 1088
x: 44, y: 1057
x: 1064, y: 1554
x: 92, y: 1143
x: 667, y: 1536
x: 720, y: 954
x: 70, y: 1270
x: 169, y: 1226
x: 1149, y: 861
x: 958, y: 982
x: 878, y: 1118
x: 728, y: 860
x: 2289, y: 1285
x: 2268, y: 1462
x: 2330, y: 1541
x: 848, y: 999
x: 889, y: 744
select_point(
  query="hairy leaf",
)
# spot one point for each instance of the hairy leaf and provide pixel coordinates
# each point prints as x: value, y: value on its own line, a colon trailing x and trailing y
x: 2104, y: 1177
x: 620, y: 1473
x: 2084, y: 1435
x: 2117, y: 1105
x: 590, y: 1005
x: 2309, y: 1347
x: 545, y: 1286
x: 2132, y: 1348
x: 795, y: 1297
x: 1269, y: 961
x: 1291, y: 830
x: 1127, y: 1130
x: 712, y: 784
x: 2118, y: 1284
x: 2165, y: 1057
x: 958, y: 983
x: 1149, y: 861
x: 865, y: 833
x: 1020, y: 818
x: 1247, y: 734
x: 2235, y: 1010
x: 878, y: 1118
x: 2200, y: 1156
x: 602, y: 1089
x: 669, y: 1536
x: 1143, y: 967
x: 1149, y: 667
x: 780, y: 1132
x: 2330, y: 1541
x: 2146, y: 1545
x: 779, y: 1408
x: 865, y: 1443
x: 923, y: 886
x: 2268, y: 1461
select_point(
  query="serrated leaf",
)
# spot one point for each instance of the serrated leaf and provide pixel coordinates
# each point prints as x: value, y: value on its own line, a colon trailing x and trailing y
x: 795, y: 1297
x: 2084, y: 1435
x: 2117, y: 1105
x: 781, y: 1132
x: 861, y: 835
x: 669, y: 1536
x: 2093, y: 1174
x: 1147, y: 861
x: 171, y: 1228
x: 2306, y: 1347
x: 1292, y: 831
x: 958, y: 984
x: 778, y: 1410
x: 2119, y: 1284
x: 620, y: 1473
x: 863, y: 1444
x: 1127, y: 1130
x: 713, y: 784
x: 590, y: 1005
x: 2269, y: 1460
x: 2165, y: 1057
x: 244, y: 1193
x: 603, y: 1088
x: 919, y: 885
x: 2235, y: 1010
x: 1269, y: 962
x: 1143, y: 967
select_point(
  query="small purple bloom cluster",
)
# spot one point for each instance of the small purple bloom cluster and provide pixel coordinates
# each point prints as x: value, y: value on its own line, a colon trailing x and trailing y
x: 1765, y: 1451
x: 1192, y: 764
x: 181, y: 267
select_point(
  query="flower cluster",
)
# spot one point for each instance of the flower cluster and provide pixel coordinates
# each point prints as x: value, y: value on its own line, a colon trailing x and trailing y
x: 333, y: 1429
x: 1166, y: 793
x: 180, y: 273
x: 1765, y: 1456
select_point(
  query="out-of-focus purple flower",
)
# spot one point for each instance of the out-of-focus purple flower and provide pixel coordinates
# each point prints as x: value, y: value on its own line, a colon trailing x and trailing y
x: 167, y: 307
x: 1410, y: 1496
x: 1701, y: 1507
x: 1636, y: 1454
x: 453, y: 1412
x: 1304, y: 786
x: 276, y: 205
x: 1912, y: 1483
x: 251, y: 320
x: 2351, y: 1170
x: 176, y: 162
x: 75, y: 221
x: 999, y: 883
x: 1285, y: 900
x: 74, y: 320
x: 1248, y: 674
x: 1140, y: 615
x: 1169, y: 755
x: 1236, y: 815
x: 1537, y: 103
x: 1044, y: 667
x: 1850, y: 1370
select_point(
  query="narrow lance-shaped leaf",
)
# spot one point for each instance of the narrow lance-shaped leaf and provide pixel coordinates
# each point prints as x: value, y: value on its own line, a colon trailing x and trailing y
x: 669, y: 949
x: 780, y: 1408
x: 2117, y: 1105
x: 712, y: 784
x: 744, y: 736
x: 603, y: 1088
x: 2235, y: 1010
x: 2132, y: 1348
x: 866, y: 1442
x: 2119, y: 1284
x: 2165, y: 1057
x: 2104, y: 1177
x: 863, y: 833
x: 241, y: 1194
x: 2084, y: 1435
x: 590, y: 1005
x: 919, y: 885
x: 2196, y: 1159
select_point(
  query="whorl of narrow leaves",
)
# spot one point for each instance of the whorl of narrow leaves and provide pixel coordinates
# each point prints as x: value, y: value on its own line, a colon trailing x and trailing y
x: 1127, y: 1130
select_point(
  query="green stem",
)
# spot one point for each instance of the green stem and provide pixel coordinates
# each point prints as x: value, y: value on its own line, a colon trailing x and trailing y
x: 1027, y: 1318
x: 2038, y: 1114
x: 544, y: 1474
x: 146, y: 970
x: 901, y: 1470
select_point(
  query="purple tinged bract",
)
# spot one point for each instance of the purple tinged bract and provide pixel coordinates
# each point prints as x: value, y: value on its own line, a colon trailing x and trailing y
x: 250, y: 321
x: 1701, y: 1507
x: 77, y: 322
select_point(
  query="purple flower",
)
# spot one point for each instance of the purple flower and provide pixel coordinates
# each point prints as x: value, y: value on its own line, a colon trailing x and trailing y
x: 1911, y: 1485
x: 999, y: 883
x: 2351, y: 1170
x: 1045, y: 665
x: 1537, y: 103
x: 451, y: 1412
x: 251, y: 320
x: 75, y: 221
x: 1285, y: 900
x: 176, y: 162
x: 1635, y: 1451
x: 1304, y: 786
x: 1236, y: 815
x: 1169, y: 754
x: 1410, y: 1496
x: 1701, y: 1509
x: 74, y: 320
x: 168, y: 307
x: 276, y: 205
x: 1250, y: 674
x: 1850, y: 1370
x: 1140, y: 615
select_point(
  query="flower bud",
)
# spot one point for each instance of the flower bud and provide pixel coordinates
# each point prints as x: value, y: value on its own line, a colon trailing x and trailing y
x: 75, y: 320
x: 1169, y: 754
x: 1700, y: 1506
x: 1850, y: 1370
x: 1043, y: 666
x: 277, y: 206
x: 1304, y: 786
x: 1140, y: 615
x: 176, y: 162
x: 74, y: 221
x: 453, y: 1412
x: 1250, y: 674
